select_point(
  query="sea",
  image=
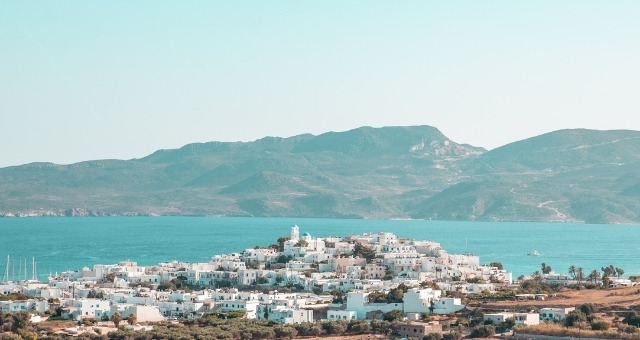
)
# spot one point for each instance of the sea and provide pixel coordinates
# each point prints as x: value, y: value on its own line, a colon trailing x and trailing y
x: 56, y: 244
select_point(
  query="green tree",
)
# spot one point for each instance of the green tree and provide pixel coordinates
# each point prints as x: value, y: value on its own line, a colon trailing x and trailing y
x: 574, y: 318
x: 608, y: 271
x: 606, y: 281
x: 281, y: 241
x: 632, y: 319
x: 546, y: 269
x: 132, y: 319
x: 358, y: 327
x: 377, y: 296
x: 164, y: 286
x: 395, y: 295
x: 594, y: 276
x: 483, y: 331
x: 364, y: 251
x: 432, y: 336
x: 111, y: 277
x: 381, y: 327
x: 619, y: 271
x: 116, y: 318
x: 599, y: 325
x: 393, y: 315
x: 580, y: 275
x: 301, y: 243
x: 285, y: 332
x: 572, y: 271
x: 496, y: 264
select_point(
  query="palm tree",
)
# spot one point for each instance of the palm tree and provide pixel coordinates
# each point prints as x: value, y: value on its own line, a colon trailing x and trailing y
x: 594, y: 276
x: 572, y: 271
x: 619, y: 271
x: 579, y: 274
x: 116, y: 318
x: 132, y: 319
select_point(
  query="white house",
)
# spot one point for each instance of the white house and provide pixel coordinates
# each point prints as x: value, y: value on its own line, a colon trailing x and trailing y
x: 249, y: 307
x: 554, y: 314
x: 334, y: 315
x: 285, y: 315
x: 359, y: 302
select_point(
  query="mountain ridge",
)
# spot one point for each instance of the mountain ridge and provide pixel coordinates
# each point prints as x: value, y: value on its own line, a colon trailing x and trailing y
x: 573, y: 175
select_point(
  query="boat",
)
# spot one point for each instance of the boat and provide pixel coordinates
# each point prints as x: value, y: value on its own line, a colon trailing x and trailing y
x: 534, y: 252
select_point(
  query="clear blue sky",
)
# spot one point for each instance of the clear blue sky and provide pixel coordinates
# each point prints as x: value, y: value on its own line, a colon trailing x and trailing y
x: 83, y: 80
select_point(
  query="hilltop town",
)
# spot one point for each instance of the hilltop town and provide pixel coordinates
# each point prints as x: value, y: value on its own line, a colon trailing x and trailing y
x: 298, y: 279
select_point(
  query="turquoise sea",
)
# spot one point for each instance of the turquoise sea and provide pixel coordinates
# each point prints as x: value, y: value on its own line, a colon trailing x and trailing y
x: 70, y: 243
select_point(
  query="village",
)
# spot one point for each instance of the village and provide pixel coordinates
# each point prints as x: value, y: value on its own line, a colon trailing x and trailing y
x: 299, y: 279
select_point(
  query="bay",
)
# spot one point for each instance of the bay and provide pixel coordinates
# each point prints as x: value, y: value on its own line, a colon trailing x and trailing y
x: 60, y: 243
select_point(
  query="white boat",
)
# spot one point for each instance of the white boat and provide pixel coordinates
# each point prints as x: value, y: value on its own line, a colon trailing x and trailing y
x: 534, y: 252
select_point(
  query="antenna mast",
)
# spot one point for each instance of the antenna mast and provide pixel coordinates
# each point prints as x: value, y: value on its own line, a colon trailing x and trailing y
x: 6, y: 272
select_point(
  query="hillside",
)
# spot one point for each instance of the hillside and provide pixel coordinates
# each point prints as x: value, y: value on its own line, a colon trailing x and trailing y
x: 391, y: 172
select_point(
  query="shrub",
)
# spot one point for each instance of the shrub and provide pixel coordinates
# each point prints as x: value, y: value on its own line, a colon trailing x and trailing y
x: 393, y: 315
x: 599, y: 325
x: 484, y: 331
x: 452, y: 336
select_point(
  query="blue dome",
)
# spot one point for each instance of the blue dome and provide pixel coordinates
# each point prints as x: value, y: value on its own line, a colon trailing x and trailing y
x: 306, y: 234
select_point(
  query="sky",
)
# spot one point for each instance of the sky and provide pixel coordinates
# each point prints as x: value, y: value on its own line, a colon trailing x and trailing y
x: 86, y: 80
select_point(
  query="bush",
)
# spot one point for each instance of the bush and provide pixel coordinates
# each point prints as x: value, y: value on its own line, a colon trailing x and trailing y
x: 393, y: 315
x: 599, y: 325
x: 358, y: 327
x: 632, y: 319
x: 574, y: 318
x: 452, y: 336
x: 484, y: 331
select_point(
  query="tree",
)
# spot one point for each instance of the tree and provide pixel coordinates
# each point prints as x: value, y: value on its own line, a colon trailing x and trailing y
x: 116, y: 318
x: 608, y: 271
x: 393, y: 315
x: 599, y: 325
x: 537, y: 276
x: 111, y: 277
x: 483, y: 331
x: 301, y: 243
x: 285, y: 332
x: 364, y: 251
x: 432, y: 336
x: 632, y: 319
x: 395, y: 295
x: 574, y: 318
x: 496, y: 264
x: 358, y: 327
x: 546, y: 269
x: 619, y: 271
x: 572, y: 271
x: 606, y: 281
x: 594, y: 277
x: 132, y: 319
x: 281, y: 241
x: 579, y: 275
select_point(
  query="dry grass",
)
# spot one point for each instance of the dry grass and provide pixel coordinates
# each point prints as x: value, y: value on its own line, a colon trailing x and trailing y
x: 558, y: 330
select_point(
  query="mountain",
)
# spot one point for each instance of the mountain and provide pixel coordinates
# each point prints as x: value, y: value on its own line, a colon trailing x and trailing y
x: 391, y: 172
x: 566, y: 175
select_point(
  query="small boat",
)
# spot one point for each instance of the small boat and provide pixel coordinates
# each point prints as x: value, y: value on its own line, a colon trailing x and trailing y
x: 534, y: 252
